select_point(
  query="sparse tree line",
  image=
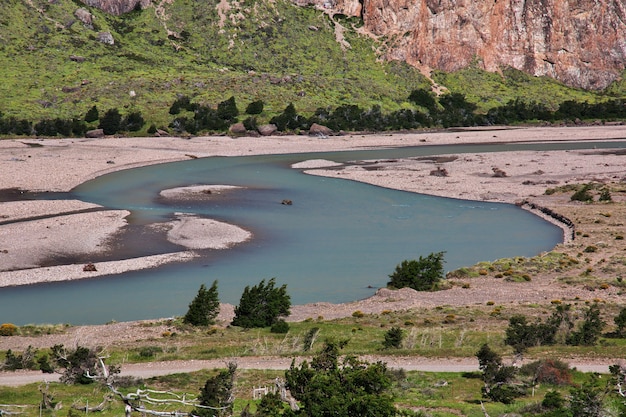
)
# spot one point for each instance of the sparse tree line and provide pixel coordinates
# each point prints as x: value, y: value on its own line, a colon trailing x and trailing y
x: 448, y: 110
x: 333, y: 384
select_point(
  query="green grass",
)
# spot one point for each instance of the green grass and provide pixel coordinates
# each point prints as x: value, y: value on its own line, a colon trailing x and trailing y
x: 267, y: 50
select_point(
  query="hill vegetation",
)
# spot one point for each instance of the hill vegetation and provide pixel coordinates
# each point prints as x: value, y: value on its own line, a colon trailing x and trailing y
x: 58, y: 67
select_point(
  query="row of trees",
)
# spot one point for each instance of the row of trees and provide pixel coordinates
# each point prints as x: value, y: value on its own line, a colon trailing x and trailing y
x: 262, y: 305
x: 448, y: 110
x: 561, y: 327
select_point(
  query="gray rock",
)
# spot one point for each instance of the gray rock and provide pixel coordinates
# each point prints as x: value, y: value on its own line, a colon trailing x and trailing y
x: 267, y: 130
x: 95, y: 133
x: 320, y: 130
x: 237, y: 129
x: 84, y: 16
x: 106, y: 37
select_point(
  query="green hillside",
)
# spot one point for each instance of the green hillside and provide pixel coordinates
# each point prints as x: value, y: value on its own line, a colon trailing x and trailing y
x: 265, y: 50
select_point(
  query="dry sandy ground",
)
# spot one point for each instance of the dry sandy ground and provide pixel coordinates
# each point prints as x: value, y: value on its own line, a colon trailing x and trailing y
x: 59, y: 165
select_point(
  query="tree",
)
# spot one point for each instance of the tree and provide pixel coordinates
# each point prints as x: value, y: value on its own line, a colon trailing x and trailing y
x: 262, y: 305
x: 422, y: 275
x: 586, y: 400
x: 353, y: 388
x: 204, y: 308
x: 111, y: 121
x: 289, y: 119
x: 522, y: 335
x: 424, y: 98
x: 590, y: 330
x: 620, y: 322
x: 255, y: 107
x: 227, y: 110
x: 498, y: 379
x: 133, y: 122
x: 81, y: 364
x: 393, y: 338
x: 216, y: 397
x: 92, y: 115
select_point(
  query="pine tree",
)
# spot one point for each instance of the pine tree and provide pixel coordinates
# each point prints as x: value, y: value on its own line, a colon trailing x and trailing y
x: 92, y: 115
x: 204, y: 308
x: 110, y: 122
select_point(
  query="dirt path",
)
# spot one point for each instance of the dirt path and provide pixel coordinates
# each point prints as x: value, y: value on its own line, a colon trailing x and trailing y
x: 147, y: 370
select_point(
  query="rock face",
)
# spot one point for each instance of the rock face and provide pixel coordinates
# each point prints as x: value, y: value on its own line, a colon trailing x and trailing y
x: 117, y: 7
x: 579, y: 42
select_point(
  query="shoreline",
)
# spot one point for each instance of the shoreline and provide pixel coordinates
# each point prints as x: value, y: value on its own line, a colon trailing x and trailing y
x: 46, y: 167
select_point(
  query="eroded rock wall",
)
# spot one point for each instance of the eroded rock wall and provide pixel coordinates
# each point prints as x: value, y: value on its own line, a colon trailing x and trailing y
x: 579, y: 42
x: 117, y: 7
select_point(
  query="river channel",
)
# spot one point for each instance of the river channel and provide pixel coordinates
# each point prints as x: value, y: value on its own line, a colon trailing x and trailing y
x: 337, y: 242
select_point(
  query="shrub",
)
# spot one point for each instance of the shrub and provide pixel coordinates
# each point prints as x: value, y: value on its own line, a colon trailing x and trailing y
x: 92, y: 115
x: 358, y: 314
x: 255, y: 107
x: 111, y: 121
x: 133, y: 122
x: 605, y: 195
x: 8, y: 329
x: 261, y: 305
x: 582, y: 194
x: 227, y: 110
x: 590, y: 330
x: 217, y: 394
x: 309, y: 339
x: 250, y: 123
x: 281, y: 326
x: 548, y: 371
x: 393, y: 338
x: 422, y: 275
x: 149, y: 351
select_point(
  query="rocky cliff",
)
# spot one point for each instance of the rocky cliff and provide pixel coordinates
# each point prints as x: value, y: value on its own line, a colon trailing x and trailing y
x: 579, y: 42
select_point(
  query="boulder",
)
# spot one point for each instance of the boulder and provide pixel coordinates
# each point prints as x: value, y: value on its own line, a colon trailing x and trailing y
x: 267, y: 130
x: 95, y: 133
x: 439, y: 172
x: 84, y: 16
x: 320, y: 130
x: 237, y: 129
x: 106, y: 37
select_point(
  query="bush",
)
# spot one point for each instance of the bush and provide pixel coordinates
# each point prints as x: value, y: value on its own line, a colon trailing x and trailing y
x: 353, y: 388
x: 393, y: 338
x: 590, y: 330
x: 281, y: 327
x: 133, y: 122
x: 422, y: 275
x: 261, y: 305
x: 256, y: 107
x: 92, y: 115
x: 111, y: 121
x: 582, y: 194
x: 548, y: 371
x: 8, y: 329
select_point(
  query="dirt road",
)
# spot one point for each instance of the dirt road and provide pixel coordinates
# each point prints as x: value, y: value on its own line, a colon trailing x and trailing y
x: 147, y: 370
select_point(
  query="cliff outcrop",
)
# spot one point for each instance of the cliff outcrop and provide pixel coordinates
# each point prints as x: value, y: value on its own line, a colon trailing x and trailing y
x: 579, y: 42
x: 117, y: 7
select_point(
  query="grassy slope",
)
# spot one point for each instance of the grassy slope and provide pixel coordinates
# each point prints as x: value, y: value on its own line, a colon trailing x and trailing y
x: 269, y: 50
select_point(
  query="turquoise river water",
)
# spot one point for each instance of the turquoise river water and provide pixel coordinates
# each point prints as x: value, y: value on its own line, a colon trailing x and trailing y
x: 338, y: 242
